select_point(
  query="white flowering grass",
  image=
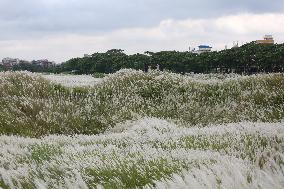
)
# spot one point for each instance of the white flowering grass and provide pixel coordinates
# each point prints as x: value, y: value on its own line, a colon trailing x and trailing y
x: 154, y: 130
x: 149, y: 153
x: 33, y: 106
x: 73, y: 80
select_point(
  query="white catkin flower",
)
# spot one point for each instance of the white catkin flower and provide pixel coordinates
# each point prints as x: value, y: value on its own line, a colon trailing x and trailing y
x: 140, y: 148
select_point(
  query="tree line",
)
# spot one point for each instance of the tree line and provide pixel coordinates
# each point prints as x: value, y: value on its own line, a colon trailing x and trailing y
x: 247, y: 59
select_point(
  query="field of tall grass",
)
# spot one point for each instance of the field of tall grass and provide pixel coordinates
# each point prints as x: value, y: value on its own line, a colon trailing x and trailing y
x: 142, y: 130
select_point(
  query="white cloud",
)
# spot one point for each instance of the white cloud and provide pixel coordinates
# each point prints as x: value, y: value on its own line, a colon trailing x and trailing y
x: 168, y: 35
x: 252, y: 23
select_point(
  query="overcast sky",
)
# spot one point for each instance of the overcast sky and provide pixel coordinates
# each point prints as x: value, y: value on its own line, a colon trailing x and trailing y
x: 62, y: 29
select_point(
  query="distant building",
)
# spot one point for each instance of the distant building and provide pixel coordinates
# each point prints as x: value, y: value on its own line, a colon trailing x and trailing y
x: 10, y: 62
x: 203, y: 49
x: 44, y: 63
x: 235, y: 44
x: 87, y: 56
x: 24, y: 62
x: 268, y: 39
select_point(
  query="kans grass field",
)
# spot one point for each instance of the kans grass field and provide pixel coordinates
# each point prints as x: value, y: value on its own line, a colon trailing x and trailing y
x: 141, y: 130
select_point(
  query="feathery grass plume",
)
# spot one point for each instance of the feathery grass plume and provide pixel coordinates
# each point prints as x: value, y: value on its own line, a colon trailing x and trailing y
x: 33, y: 106
x: 142, y: 130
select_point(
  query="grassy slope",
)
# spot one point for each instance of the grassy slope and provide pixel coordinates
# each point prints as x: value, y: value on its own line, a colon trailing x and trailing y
x: 244, y: 155
x: 188, y: 150
x: 31, y: 106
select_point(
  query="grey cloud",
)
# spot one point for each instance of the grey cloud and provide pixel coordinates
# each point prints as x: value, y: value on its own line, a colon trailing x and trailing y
x: 31, y: 18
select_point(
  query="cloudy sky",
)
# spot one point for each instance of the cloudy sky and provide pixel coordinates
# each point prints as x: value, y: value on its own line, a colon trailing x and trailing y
x: 62, y: 29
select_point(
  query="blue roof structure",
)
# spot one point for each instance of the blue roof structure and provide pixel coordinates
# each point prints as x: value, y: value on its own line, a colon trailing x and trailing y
x: 204, y: 46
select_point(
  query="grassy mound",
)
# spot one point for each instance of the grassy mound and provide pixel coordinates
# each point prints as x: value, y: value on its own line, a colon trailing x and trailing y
x: 150, y: 153
x: 154, y: 130
x: 32, y: 106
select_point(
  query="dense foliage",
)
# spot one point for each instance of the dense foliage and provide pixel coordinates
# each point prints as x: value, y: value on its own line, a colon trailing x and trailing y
x: 33, y: 67
x: 249, y: 58
x: 2, y: 68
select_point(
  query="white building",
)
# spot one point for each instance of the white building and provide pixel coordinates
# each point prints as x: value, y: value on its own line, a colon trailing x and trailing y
x: 202, y: 49
x: 10, y: 61
x: 267, y: 39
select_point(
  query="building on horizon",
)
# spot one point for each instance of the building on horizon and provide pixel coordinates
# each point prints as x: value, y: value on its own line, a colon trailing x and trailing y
x: 24, y: 62
x: 202, y: 49
x: 10, y: 62
x: 44, y: 63
x: 267, y: 39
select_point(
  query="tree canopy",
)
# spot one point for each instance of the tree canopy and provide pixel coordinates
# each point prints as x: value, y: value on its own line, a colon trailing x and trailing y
x: 249, y: 58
